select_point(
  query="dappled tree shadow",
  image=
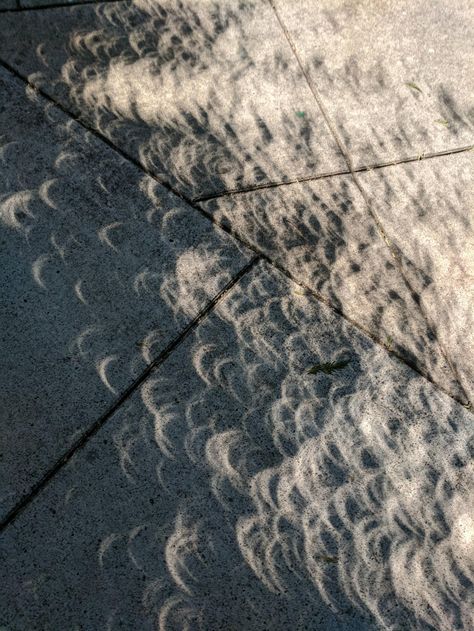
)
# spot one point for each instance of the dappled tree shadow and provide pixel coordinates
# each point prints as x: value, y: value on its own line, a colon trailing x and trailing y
x: 191, y: 93
x: 322, y: 233
x: 392, y: 76
x: 434, y: 199
x: 261, y: 496
x: 100, y: 266
x: 338, y: 484
x: 236, y: 490
x: 185, y: 88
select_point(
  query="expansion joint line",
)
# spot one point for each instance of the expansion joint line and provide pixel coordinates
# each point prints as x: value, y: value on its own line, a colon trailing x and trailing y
x: 372, y: 212
x: 55, y: 5
x: 221, y: 225
x: 101, y: 421
x: 325, y: 176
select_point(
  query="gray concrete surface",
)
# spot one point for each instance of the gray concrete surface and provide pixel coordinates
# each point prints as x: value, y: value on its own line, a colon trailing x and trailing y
x: 229, y: 488
x: 395, y: 76
x: 100, y: 269
x: 26, y: 4
x: 234, y: 487
x: 207, y: 96
x: 145, y: 76
x: 322, y: 233
x: 8, y: 4
x: 427, y: 211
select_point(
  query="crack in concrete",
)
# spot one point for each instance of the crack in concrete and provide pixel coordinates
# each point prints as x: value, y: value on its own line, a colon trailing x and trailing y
x: 330, y: 174
x: 100, y: 422
x: 56, y: 5
x: 372, y: 212
x: 223, y: 226
x: 259, y: 256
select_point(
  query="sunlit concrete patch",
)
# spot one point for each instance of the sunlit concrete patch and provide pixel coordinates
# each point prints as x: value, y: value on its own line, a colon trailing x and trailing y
x: 395, y: 76
x: 100, y: 268
x: 323, y: 233
x: 427, y: 210
x: 206, y: 95
x: 235, y: 490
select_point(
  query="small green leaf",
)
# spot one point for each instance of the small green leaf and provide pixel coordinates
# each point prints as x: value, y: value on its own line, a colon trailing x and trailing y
x: 413, y: 86
x: 300, y: 114
x: 389, y: 342
x: 329, y: 367
x: 442, y: 121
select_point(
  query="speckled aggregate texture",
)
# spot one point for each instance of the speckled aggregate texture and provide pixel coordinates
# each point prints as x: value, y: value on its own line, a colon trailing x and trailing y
x: 235, y: 490
x: 322, y: 233
x: 427, y: 211
x: 26, y: 4
x: 100, y: 269
x: 395, y: 76
x: 207, y: 96
x: 236, y: 298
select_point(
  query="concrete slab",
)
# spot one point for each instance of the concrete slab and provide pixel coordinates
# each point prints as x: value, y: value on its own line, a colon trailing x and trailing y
x: 395, y: 76
x: 27, y: 4
x: 323, y: 234
x: 426, y: 209
x: 8, y: 4
x: 207, y: 96
x: 100, y: 268
x: 235, y: 490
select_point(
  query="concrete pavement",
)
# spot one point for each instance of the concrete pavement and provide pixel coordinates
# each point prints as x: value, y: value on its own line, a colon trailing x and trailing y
x: 199, y: 202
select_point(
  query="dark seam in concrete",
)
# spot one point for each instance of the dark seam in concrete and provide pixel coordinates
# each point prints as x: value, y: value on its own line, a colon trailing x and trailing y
x: 99, y: 423
x: 320, y: 298
x: 315, y: 94
x: 56, y: 5
x: 330, y: 174
x: 371, y: 211
x: 225, y: 228
x: 265, y: 185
